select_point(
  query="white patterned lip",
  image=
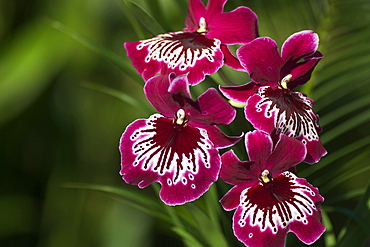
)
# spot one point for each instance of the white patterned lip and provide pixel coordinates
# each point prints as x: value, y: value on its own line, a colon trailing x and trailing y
x: 275, y: 204
x: 292, y: 112
x: 163, y: 146
x: 180, y: 49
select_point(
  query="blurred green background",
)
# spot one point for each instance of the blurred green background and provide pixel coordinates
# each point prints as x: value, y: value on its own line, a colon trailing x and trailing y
x: 64, y: 106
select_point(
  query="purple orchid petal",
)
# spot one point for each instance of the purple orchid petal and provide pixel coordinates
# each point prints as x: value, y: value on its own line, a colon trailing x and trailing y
x: 262, y: 60
x: 179, y: 86
x: 223, y: 26
x: 287, y: 153
x: 240, y: 93
x: 251, y: 235
x: 156, y: 91
x: 259, y: 147
x: 219, y: 139
x: 300, y: 45
x: 196, y: 10
x: 231, y: 60
x: 285, y: 111
x: 179, y: 156
x: 231, y: 199
x: 147, y: 69
x: 267, y: 211
x: 236, y: 172
x: 259, y: 116
x: 310, y: 232
x: 214, y: 109
x: 315, y: 150
x: 214, y: 7
x: 302, y: 72
x: 179, y: 52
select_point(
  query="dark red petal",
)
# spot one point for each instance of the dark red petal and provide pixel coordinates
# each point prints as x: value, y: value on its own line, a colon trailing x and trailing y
x: 287, y: 153
x: 262, y: 60
x: 236, y: 27
x: 236, y: 172
x: 300, y: 45
x: 302, y: 71
x: 214, y: 109
x: 240, y: 93
x: 214, y: 7
x: 219, y: 139
x: 196, y: 10
x: 156, y: 91
x: 259, y: 147
x: 230, y: 59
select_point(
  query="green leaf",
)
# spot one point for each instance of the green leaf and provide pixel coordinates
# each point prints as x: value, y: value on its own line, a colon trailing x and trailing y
x: 123, y: 63
x: 28, y: 64
x: 120, y: 95
x: 188, y: 239
x: 329, y: 235
x: 148, y: 22
x: 143, y: 202
x: 357, y: 231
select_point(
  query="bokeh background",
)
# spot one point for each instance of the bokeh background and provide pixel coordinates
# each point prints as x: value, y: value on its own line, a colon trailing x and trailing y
x: 67, y: 92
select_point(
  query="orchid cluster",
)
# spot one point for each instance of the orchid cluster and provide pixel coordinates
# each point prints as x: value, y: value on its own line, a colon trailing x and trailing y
x: 178, y: 147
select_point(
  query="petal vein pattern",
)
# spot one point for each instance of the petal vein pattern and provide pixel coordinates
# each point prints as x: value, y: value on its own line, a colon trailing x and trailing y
x: 292, y: 112
x: 178, y: 152
x: 180, y: 49
x: 277, y: 203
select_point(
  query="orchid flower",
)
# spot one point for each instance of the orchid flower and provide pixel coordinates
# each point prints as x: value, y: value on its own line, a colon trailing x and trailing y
x: 201, y: 48
x: 179, y: 147
x: 271, y: 103
x: 270, y: 201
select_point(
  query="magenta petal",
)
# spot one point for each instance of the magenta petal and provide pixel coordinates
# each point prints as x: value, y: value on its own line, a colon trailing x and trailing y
x: 223, y: 26
x: 196, y: 10
x: 310, y: 232
x: 156, y: 91
x: 214, y: 7
x: 179, y: 86
x: 259, y: 146
x: 315, y: 150
x: 180, y: 157
x: 302, y: 72
x: 267, y: 211
x: 251, y: 235
x: 300, y: 45
x: 146, y: 69
x: 231, y: 199
x: 214, y: 109
x: 262, y: 60
x: 240, y: 93
x: 287, y: 153
x: 231, y: 60
x: 259, y: 115
x: 219, y: 139
x: 236, y: 172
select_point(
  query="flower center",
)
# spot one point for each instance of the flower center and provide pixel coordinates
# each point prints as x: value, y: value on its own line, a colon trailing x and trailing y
x: 202, y: 25
x: 265, y: 176
x: 180, y: 117
x: 285, y: 80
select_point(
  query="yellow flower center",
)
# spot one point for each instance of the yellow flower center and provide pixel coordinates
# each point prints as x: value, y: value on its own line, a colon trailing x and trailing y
x: 265, y: 176
x: 180, y: 117
x: 285, y: 80
x: 202, y: 25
